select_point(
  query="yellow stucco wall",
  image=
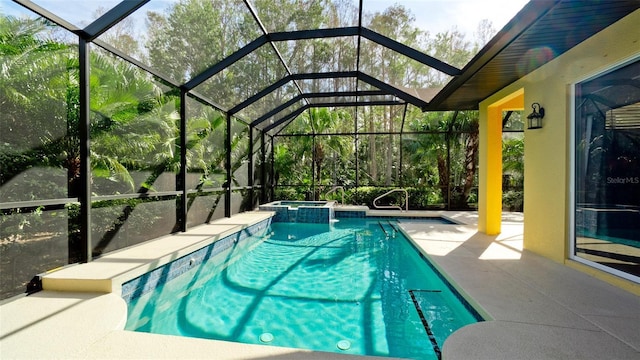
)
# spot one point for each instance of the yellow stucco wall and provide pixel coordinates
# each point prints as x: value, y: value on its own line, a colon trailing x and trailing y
x: 547, y: 150
x: 490, y: 161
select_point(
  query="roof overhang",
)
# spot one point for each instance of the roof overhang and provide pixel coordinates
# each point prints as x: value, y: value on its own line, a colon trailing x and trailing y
x: 539, y: 33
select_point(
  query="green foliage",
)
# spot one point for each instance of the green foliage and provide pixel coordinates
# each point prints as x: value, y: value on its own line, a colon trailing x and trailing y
x: 445, y: 156
x: 513, y: 200
x: 513, y: 156
x: 513, y: 172
x: 440, y: 161
x: 205, y: 144
x: 419, y: 198
x: 134, y: 127
x: 37, y: 83
x: 291, y: 193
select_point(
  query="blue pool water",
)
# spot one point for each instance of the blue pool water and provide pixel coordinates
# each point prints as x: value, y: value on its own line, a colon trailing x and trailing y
x: 356, y: 286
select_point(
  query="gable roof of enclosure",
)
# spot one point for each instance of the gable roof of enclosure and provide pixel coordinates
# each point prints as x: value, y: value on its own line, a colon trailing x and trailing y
x: 541, y: 31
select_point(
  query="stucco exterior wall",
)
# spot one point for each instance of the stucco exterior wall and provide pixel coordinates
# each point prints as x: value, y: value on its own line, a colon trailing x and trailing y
x: 547, y: 151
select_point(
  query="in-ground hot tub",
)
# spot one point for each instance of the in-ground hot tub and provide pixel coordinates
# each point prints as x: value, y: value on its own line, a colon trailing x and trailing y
x: 301, y: 211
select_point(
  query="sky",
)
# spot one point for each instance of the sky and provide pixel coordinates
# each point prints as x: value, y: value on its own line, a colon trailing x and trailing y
x: 78, y: 12
x: 432, y: 15
x: 440, y: 15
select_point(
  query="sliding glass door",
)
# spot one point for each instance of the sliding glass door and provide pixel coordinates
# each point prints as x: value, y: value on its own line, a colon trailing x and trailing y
x: 607, y: 171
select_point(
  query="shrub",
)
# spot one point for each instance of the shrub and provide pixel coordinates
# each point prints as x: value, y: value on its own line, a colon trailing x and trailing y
x: 289, y: 193
x: 513, y: 200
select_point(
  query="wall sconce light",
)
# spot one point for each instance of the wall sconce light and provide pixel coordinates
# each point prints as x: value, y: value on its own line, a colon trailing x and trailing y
x: 535, y: 118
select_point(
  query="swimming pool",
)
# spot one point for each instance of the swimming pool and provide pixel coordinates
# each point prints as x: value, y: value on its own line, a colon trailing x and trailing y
x: 356, y: 286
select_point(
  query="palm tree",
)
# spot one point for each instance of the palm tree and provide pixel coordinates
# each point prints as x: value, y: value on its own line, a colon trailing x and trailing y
x: 465, y: 125
x: 205, y: 144
x: 452, y: 140
x: 134, y: 125
x: 39, y: 106
x: 426, y: 163
x: 334, y: 148
x: 513, y: 156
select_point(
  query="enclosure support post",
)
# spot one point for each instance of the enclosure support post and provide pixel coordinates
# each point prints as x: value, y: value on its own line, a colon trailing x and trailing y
x: 272, y: 172
x: 356, y: 199
x: 313, y: 168
x: 227, y: 165
x: 448, y: 139
x: 355, y: 117
x: 85, y: 156
x: 263, y: 169
x: 250, y: 181
x: 182, y: 176
x: 404, y: 116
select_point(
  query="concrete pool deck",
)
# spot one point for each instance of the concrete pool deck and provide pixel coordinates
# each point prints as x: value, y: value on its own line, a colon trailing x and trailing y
x: 539, y: 309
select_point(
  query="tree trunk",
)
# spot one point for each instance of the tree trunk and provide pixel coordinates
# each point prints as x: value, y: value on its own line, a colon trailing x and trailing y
x: 470, y: 163
x: 373, y: 165
x: 318, y: 157
x: 443, y: 178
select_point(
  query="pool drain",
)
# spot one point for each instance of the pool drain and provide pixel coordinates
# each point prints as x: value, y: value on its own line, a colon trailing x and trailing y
x: 266, y: 337
x: 344, y: 345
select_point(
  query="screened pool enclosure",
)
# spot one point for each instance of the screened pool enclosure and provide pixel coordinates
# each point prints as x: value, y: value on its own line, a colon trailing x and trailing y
x: 125, y: 121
